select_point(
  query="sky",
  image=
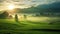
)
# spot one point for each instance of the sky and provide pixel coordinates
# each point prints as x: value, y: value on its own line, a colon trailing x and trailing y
x: 24, y: 3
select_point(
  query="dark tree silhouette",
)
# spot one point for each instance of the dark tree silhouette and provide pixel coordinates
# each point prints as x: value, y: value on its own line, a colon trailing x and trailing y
x: 25, y: 16
x: 4, y: 15
x: 16, y: 17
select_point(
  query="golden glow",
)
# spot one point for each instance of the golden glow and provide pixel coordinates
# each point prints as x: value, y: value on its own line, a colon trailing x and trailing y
x: 11, y: 7
x: 13, y: 16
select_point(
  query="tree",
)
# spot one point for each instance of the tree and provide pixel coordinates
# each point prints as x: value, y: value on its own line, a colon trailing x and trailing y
x: 16, y: 17
x: 4, y: 15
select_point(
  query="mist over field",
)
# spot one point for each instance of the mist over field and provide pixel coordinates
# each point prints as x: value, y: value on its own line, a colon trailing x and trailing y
x: 29, y: 16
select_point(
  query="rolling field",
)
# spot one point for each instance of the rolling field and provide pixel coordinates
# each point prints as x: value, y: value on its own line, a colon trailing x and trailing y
x: 30, y: 25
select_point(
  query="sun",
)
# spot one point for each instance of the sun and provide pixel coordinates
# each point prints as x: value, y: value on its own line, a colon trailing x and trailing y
x: 11, y: 7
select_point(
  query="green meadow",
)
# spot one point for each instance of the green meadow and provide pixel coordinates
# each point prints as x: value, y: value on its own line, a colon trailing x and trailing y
x: 47, y: 25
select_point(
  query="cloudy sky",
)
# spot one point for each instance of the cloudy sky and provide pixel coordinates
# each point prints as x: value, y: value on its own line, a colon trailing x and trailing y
x: 24, y: 3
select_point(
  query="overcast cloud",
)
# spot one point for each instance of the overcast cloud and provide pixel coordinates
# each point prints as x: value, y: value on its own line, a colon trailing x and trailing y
x: 26, y: 2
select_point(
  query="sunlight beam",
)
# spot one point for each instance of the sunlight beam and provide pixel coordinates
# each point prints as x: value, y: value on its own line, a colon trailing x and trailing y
x: 11, y: 7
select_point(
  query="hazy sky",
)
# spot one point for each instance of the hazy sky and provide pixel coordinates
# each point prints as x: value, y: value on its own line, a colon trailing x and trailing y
x: 24, y: 3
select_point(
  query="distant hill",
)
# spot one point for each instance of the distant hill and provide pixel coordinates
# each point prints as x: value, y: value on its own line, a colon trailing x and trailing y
x: 54, y: 7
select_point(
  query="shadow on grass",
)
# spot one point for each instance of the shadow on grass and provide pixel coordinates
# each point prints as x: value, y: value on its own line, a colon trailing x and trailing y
x: 9, y: 26
x: 50, y: 30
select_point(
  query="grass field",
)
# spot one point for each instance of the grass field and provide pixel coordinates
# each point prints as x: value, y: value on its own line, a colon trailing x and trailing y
x: 31, y: 25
